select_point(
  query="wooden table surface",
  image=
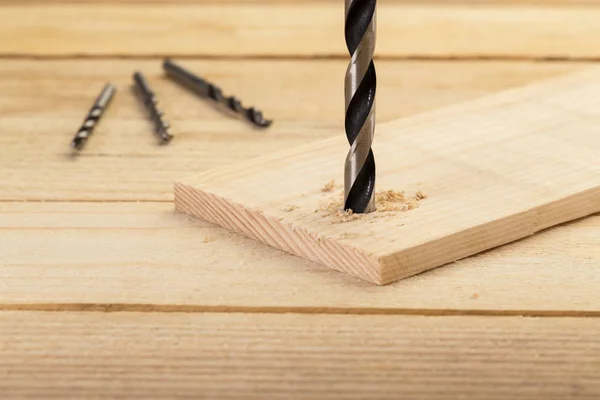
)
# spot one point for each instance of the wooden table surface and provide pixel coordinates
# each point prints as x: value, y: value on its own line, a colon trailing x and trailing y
x: 106, y: 292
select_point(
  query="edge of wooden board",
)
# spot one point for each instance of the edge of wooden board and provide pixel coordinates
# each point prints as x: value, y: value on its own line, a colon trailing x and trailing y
x: 212, y: 197
x: 284, y: 235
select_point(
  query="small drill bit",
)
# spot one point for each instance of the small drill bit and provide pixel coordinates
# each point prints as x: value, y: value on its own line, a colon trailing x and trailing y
x: 94, y: 115
x: 207, y: 89
x: 161, y: 127
x: 360, y: 88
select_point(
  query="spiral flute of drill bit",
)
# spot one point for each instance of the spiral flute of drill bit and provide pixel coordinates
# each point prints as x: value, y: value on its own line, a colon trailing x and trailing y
x: 93, y: 116
x: 161, y: 127
x: 207, y: 89
x: 360, y: 88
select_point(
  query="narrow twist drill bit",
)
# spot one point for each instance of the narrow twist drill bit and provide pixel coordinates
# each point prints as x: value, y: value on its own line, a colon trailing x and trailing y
x: 209, y: 90
x: 360, y: 88
x: 94, y: 115
x: 161, y: 127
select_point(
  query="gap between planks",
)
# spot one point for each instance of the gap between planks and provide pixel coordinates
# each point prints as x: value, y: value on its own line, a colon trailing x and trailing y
x: 300, y: 57
x: 203, y: 309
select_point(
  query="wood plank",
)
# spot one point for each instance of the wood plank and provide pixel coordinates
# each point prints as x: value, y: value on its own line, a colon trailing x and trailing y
x: 253, y: 356
x: 298, y: 29
x: 122, y: 161
x: 495, y: 170
x: 144, y: 256
x: 437, y: 2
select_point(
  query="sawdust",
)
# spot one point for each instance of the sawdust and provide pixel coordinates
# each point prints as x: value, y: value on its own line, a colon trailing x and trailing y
x: 329, y: 186
x: 388, y: 202
x: 291, y: 208
x: 420, y: 196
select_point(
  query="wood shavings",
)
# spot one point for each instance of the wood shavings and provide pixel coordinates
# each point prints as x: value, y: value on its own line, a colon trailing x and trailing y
x: 388, y: 202
x: 329, y: 186
x: 420, y: 195
x: 341, y: 216
x: 412, y: 204
x: 290, y: 208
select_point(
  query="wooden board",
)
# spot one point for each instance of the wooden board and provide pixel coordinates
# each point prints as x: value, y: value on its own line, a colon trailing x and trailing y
x: 258, y: 356
x: 495, y: 170
x: 293, y: 29
x: 432, y: 2
x: 95, y: 255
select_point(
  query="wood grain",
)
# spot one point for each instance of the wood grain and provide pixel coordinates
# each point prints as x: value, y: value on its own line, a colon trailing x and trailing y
x: 144, y: 256
x: 495, y: 170
x: 432, y: 2
x: 122, y: 160
x: 235, y: 356
x: 298, y: 30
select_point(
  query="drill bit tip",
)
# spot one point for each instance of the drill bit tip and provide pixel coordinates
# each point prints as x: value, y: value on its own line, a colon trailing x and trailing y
x: 93, y: 117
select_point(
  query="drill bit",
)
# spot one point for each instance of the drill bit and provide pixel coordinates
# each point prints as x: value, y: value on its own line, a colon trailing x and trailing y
x: 94, y: 115
x: 360, y: 88
x: 161, y: 127
x: 206, y: 89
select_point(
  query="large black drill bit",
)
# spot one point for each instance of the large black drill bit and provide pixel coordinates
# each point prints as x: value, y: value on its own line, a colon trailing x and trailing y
x: 361, y: 84
x: 206, y: 89
x: 93, y: 116
x: 161, y: 127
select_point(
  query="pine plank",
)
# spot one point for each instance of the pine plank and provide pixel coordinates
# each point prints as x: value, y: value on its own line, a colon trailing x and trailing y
x: 144, y: 256
x: 496, y: 170
x: 238, y: 356
x: 436, y: 2
x: 122, y: 161
x: 299, y: 30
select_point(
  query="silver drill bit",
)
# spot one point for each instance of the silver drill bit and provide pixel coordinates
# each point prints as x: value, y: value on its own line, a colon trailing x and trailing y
x: 161, y: 127
x: 360, y: 85
x: 94, y: 115
x: 207, y: 89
